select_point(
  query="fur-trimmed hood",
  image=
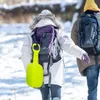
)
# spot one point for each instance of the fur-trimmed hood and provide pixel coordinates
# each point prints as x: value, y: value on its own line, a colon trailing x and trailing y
x: 46, y: 18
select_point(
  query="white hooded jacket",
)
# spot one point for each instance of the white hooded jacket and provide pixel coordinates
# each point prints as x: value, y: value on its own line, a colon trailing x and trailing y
x: 43, y: 19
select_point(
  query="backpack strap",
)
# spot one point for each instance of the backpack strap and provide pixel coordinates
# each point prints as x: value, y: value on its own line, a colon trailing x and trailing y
x: 98, y: 32
x: 34, y: 40
x: 96, y: 60
x: 48, y: 70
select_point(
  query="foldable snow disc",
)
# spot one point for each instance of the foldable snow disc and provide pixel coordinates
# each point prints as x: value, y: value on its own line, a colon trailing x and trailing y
x: 34, y: 71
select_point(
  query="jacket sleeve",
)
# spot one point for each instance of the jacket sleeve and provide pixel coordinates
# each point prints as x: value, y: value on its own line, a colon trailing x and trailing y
x: 69, y: 46
x: 74, y: 32
x: 26, y: 51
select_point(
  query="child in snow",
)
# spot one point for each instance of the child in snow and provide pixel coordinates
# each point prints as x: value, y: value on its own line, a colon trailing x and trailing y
x: 47, y: 18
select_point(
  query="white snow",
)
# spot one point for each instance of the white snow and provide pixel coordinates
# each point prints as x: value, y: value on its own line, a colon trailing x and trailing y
x: 12, y: 74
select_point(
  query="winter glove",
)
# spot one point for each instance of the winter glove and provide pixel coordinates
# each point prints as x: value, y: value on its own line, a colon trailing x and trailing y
x: 86, y: 58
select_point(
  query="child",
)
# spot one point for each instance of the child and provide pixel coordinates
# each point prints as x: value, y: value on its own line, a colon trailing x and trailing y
x: 56, y: 70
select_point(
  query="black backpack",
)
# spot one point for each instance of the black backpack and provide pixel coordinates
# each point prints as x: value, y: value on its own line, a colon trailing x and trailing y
x: 46, y: 36
x: 89, y: 34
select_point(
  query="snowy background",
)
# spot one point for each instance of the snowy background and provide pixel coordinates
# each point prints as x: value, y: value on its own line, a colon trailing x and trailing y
x: 12, y: 73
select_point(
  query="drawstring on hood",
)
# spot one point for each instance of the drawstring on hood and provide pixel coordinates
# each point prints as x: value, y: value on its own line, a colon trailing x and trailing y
x: 91, y: 5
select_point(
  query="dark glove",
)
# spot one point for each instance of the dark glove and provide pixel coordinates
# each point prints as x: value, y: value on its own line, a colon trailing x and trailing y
x: 86, y: 58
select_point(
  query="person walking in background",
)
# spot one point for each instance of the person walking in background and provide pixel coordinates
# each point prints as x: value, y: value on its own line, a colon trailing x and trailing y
x: 85, y: 33
x: 46, y: 20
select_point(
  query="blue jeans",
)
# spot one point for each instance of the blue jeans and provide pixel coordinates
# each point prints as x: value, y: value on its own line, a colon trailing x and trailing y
x: 92, y: 73
x: 51, y: 92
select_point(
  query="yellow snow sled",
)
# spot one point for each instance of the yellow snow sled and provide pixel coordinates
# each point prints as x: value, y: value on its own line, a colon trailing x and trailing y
x: 34, y: 71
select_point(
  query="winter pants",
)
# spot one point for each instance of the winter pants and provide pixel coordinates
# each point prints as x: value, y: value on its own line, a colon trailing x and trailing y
x: 92, y: 73
x: 54, y: 91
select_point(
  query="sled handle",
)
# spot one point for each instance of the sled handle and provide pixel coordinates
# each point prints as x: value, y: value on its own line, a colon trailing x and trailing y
x: 35, y: 56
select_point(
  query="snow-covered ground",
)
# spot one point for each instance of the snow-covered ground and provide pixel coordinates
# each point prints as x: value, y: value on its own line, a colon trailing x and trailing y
x: 12, y: 74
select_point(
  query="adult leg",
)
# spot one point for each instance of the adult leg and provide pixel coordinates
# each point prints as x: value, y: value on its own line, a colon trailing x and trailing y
x: 55, y: 92
x: 45, y: 92
x: 92, y: 73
